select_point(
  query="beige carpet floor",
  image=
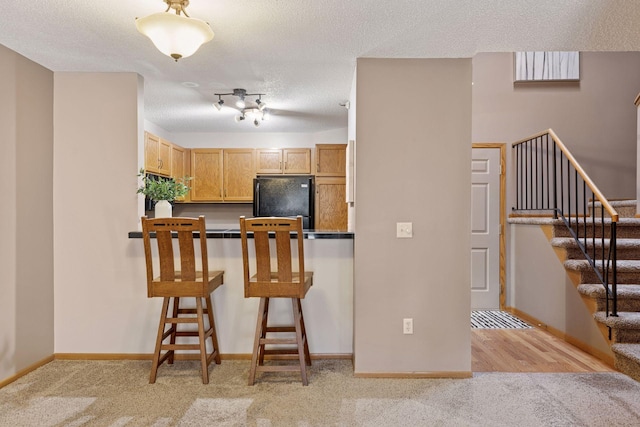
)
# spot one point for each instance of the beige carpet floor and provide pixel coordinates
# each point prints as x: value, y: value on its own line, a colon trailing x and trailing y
x: 117, y: 393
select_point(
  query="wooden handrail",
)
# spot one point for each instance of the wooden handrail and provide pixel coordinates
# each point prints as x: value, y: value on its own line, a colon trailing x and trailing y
x: 596, y: 191
x: 532, y: 189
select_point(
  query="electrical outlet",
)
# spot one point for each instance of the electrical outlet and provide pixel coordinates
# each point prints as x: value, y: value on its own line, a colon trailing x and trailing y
x: 407, y: 326
x: 404, y: 230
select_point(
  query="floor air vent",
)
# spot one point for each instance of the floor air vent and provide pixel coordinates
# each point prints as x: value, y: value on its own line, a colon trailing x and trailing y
x: 495, y: 319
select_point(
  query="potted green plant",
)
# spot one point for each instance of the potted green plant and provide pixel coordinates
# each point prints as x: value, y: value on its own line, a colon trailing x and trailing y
x: 163, y: 191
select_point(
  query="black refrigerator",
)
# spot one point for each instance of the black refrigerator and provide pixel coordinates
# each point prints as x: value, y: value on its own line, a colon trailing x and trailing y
x: 284, y: 196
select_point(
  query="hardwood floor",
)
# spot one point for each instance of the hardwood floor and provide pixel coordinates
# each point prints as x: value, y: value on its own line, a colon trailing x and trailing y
x: 528, y: 350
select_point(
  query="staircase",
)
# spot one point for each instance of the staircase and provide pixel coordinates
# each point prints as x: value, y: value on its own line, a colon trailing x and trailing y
x: 622, y: 332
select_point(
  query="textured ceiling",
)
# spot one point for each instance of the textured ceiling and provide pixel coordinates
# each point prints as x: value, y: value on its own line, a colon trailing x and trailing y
x: 300, y: 53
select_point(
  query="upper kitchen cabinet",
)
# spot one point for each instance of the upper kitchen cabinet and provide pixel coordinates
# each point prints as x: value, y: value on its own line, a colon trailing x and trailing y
x: 179, y: 161
x: 239, y: 171
x: 206, y: 174
x: 297, y: 160
x: 157, y: 155
x: 331, y: 159
x: 180, y: 166
x: 283, y: 161
x: 268, y: 161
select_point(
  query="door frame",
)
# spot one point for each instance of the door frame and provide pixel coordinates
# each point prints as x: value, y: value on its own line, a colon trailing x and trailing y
x: 503, y: 203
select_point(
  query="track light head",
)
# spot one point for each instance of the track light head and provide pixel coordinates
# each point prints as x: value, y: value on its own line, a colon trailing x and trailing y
x: 261, y: 105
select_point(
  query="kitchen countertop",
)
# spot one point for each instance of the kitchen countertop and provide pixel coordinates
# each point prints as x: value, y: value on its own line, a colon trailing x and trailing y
x: 234, y: 233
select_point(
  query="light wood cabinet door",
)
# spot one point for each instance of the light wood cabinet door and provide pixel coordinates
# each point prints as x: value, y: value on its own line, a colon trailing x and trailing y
x: 331, y: 159
x: 206, y: 174
x: 268, y: 161
x: 330, y: 204
x: 296, y: 160
x: 239, y: 171
x: 157, y: 155
x: 178, y: 161
x: 151, y: 152
x: 283, y: 161
x: 180, y: 166
x: 164, y: 157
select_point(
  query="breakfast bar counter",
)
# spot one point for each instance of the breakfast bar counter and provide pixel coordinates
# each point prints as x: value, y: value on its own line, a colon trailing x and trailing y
x: 328, y: 306
x: 234, y: 233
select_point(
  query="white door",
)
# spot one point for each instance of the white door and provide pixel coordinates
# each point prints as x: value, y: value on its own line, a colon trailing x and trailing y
x: 485, y: 229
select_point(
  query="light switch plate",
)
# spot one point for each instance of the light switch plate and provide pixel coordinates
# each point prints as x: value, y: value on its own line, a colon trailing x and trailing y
x: 404, y: 230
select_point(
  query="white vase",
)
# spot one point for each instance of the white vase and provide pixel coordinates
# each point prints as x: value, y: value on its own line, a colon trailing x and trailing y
x: 163, y: 209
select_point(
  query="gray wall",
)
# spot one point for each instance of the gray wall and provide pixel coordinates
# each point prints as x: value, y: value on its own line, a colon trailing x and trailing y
x: 413, y: 166
x: 99, y: 293
x: 595, y: 118
x: 547, y: 293
x: 26, y: 246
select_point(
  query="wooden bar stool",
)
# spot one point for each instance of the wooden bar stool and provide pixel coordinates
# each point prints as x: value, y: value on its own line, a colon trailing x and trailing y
x: 174, y: 284
x: 281, y: 283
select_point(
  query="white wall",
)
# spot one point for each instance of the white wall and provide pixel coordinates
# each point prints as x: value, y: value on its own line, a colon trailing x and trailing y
x: 259, y: 139
x: 413, y: 166
x: 328, y: 306
x: 26, y: 246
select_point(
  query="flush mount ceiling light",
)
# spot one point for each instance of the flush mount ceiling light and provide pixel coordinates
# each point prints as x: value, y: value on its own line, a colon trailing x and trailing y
x: 253, y: 111
x: 175, y: 35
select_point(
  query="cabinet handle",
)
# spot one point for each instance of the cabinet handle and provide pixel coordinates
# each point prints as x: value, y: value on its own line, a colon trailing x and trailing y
x: 317, y: 167
x: 285, y: 165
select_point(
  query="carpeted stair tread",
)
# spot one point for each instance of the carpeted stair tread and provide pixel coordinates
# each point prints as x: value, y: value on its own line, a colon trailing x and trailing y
x: 535, y: 220
x: 623, y: 266
x: 625, y: 291
x: 625, y: 320
x: 632, y: 351
x: 625, y: 222
x: 570, y: 242
x: 548, y: 220
x: 625, y: 208
x: 627, y: 359
x: 617, y: 203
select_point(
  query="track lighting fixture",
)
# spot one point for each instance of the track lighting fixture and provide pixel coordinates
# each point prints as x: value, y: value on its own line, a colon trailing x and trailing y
x: 255, y: 111
x: 219, y: 104
x: 240, y: 94
x: 261, y: 105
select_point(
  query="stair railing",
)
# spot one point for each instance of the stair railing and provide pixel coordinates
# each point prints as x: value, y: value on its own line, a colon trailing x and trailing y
x: 548, y: 178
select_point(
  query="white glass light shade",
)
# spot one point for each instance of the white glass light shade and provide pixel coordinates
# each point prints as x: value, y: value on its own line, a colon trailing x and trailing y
x: 175, y: 35
x: 252, y: 112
